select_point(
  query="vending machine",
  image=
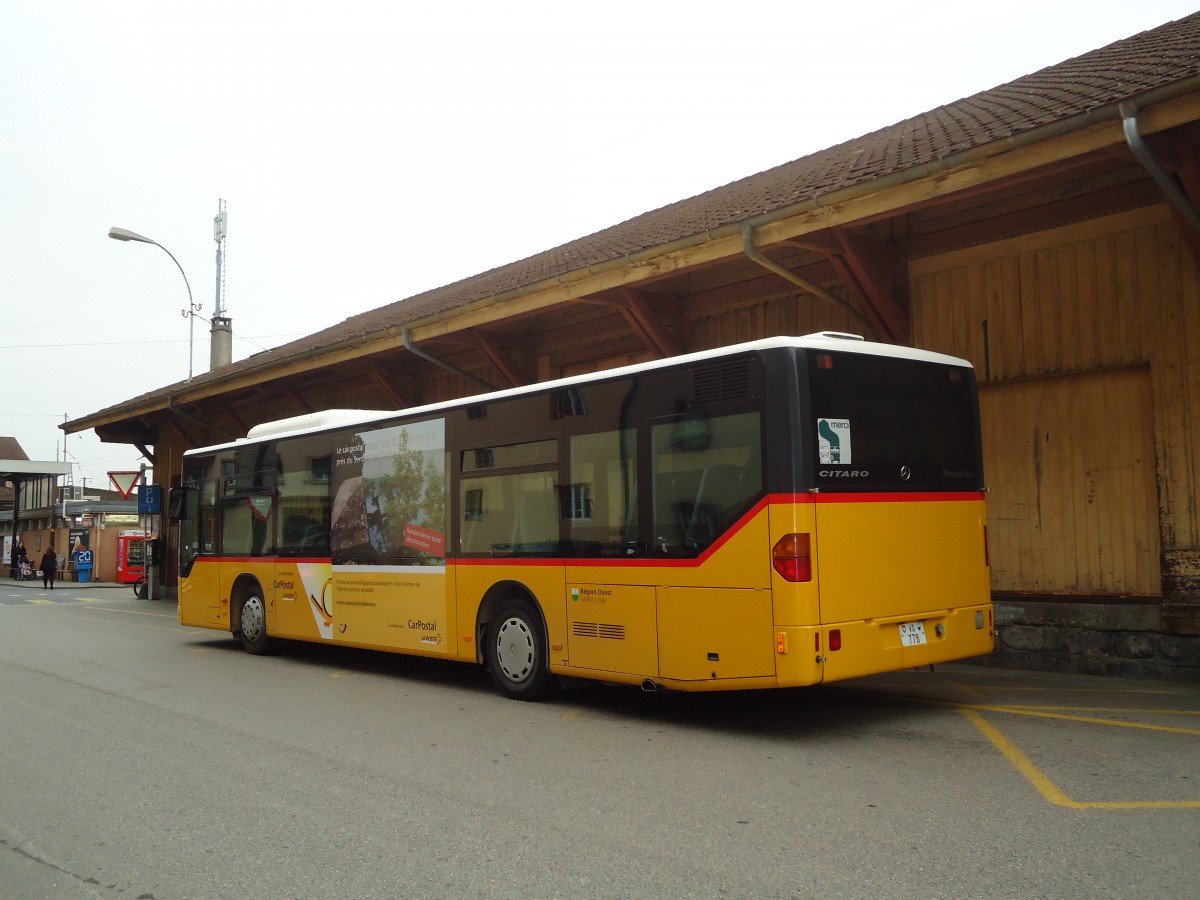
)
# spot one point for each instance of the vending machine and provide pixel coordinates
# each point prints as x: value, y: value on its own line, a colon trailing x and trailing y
x: 131, y: 557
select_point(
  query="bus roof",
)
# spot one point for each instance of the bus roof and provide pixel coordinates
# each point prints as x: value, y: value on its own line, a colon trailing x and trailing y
x: 327, y: 420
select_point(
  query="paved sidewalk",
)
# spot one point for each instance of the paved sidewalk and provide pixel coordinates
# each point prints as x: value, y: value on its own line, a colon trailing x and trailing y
x: 61, y: 585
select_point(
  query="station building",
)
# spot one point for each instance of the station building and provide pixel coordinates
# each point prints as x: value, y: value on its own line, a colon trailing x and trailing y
x: 1045, y: 229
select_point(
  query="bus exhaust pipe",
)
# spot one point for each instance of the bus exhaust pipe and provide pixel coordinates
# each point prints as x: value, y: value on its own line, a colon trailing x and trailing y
x: 649, y: 686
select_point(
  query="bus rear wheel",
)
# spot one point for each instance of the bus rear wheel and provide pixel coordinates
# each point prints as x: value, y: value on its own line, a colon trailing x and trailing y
x: 516, y: 651
x: 252, y: 624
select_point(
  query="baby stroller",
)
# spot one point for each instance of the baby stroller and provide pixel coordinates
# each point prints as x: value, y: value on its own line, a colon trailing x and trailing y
x: 25, y: 571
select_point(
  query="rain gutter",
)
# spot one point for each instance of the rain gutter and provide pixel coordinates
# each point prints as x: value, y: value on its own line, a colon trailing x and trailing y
x: 1170, y: 186
x: 770, y: 265
x: 406, y: 337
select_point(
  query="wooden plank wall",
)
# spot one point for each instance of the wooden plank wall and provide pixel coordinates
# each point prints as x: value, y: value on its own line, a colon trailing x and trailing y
x: 1106, y: 294
x: 754, y: 318
x: 1071, y: 465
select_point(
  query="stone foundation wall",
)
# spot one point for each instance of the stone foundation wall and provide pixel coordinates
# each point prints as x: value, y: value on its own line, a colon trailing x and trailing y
x: 1129, y: 640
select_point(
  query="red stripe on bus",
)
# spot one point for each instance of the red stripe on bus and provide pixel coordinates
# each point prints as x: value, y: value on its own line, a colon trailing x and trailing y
x: 609, y: 561
x: 881, y: 497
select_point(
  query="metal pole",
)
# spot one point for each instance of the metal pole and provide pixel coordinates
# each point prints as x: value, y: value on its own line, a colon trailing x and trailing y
x: 147, y: 562
x: 124, y: 234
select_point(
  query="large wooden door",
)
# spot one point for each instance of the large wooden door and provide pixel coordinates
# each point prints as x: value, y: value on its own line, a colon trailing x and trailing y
x: 1073, y: 506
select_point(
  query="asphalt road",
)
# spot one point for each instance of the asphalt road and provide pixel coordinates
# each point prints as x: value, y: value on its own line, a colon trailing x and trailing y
x: 146, y: 761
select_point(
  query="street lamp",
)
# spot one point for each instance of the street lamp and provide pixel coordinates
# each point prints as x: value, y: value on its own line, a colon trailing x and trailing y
x: 124, y: 234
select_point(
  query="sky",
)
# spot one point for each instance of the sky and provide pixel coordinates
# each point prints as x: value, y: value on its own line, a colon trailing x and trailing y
x: 369, y: 151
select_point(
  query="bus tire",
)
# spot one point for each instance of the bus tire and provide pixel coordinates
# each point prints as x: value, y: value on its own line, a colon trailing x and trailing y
x: 516, y: 651
x: 252, y: 624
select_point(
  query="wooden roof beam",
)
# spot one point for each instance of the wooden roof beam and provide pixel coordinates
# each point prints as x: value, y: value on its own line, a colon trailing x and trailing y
x: 300, y: 400
x: 870, y: 263
x: 184, y: 437
x: 386, y: 383
x: 496, y: 354
x: 175, y: 409
x: 1020, y: 221
x: 646, y: 323
x: 1181, y: 157
x: 643, y: 321
x: 828, y: 244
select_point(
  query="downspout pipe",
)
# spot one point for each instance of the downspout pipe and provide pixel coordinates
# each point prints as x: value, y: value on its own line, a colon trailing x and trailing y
x: 770, y: 265
x: 406, y: 337
x: 1167, y: 182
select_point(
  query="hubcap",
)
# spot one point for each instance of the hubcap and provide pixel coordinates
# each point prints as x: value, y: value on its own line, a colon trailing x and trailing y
x: 515, y: 649
x: 252, y: 619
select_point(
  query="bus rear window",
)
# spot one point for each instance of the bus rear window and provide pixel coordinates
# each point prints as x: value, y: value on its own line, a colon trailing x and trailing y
x: 896, y: 423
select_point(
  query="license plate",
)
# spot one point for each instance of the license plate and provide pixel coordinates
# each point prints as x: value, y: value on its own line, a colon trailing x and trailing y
x: 912, y: 634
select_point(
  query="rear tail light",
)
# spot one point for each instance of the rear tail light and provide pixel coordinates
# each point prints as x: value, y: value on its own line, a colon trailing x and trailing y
x: 792, y: 557
x: 835, y: 639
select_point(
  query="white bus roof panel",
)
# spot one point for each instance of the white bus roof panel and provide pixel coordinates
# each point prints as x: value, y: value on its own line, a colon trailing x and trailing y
x: 346, y: 418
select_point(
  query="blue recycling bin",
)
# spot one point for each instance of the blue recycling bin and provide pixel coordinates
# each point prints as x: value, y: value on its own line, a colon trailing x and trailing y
x: 83, y: 565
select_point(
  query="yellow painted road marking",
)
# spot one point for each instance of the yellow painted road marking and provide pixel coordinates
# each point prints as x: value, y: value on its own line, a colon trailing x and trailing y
x: 1035, y: 689
x: 41, y: 601
x: 1147, y: 710
x: 1091, y: 720
x: 132, y: 612
x: 1048, y: 788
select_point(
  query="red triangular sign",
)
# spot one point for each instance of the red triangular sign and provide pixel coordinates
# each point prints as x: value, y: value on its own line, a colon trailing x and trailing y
x: 124, y: 481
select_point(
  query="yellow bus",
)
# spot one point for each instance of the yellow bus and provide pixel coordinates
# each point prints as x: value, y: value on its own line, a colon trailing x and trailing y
x: 784, y: 512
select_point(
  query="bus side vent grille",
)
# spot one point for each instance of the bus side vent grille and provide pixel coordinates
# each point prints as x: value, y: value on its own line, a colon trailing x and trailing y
x: 728, y: 380
x: 598, y: 630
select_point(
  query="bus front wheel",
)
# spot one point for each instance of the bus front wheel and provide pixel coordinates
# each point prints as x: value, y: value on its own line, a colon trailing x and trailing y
x: 516, y: 651
x: 252, y: 624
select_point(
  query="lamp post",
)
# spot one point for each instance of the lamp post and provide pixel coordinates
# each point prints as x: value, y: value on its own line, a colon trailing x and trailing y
x: 124, y: 234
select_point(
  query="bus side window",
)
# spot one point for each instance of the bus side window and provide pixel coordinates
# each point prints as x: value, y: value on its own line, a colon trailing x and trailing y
x: 719, y: 492
x: 700, y: 488
x: 535, y: 526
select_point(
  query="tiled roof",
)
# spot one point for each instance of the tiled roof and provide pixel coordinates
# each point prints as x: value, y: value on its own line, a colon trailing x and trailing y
x: 1149, y: 60
x: 10, y: 448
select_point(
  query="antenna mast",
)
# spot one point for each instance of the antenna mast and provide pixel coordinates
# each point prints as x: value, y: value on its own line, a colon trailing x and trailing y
x: 219, y: 237
x: 221, y: 349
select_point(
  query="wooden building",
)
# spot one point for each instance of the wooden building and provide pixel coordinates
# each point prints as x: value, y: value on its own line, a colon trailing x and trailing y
x: 1045, y: 229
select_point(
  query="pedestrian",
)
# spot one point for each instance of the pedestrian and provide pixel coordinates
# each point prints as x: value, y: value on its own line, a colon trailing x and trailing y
x: 21, y: 557
x: 49, y: 566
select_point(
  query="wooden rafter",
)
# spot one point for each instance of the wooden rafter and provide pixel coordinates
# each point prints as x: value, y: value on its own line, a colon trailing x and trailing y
x: 832, y: 245
x: 387, y: 383
x: 184, y: 437
x: 634, y: 306
x: 647, y: 324
x: 499, y: 358
x: 240, y: 424
x: 1186, y: 166
x: 862, y: 303
x: 175, y: 409
x: 1018, y: 221
x: 300, y: 400
x: 870, y: 263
